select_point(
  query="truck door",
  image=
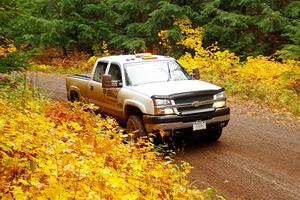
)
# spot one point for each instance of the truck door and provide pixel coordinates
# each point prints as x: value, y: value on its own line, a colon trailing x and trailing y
x: 95, y: 93
x: 111, y: 94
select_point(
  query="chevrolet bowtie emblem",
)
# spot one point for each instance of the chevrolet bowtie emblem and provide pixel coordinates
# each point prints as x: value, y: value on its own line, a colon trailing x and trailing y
x: 196, y: 103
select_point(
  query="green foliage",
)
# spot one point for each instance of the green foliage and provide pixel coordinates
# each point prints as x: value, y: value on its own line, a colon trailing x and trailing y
x: 11, y: 58
x: 64, y: 24
x: 12, y: 62
x: 131, y: 31
x: 292, y: 33
x: 256, y: 27
x: 245, y: 27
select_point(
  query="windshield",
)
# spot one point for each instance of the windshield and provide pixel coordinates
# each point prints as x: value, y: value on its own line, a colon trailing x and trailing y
x: 154, y: 71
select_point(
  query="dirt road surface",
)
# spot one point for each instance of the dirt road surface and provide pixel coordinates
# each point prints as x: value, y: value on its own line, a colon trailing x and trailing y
x: 257, y: 157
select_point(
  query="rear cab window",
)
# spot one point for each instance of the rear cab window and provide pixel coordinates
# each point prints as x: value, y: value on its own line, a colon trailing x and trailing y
x: 99, y: 71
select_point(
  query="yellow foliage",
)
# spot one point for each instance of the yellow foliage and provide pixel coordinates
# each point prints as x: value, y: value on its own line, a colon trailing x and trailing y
x: 83, y: 67
x: 261, y: 78
x: 11, y: 48
x: 191, y: 37
x: 89, y: 64
x: 62, y: 69
x: 5, y: 50
x: 104, y: 48
x: 263, y: 69
x: 280, y: 81
x: 66, y: 151
x: 164, y: 40
x: 210, y: 60
x: 101, y: 49
x: 2, y: 51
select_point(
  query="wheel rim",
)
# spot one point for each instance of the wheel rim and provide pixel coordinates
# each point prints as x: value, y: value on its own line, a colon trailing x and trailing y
x: 131, y: 127
x: 132, y: 130
x: 74, y: 97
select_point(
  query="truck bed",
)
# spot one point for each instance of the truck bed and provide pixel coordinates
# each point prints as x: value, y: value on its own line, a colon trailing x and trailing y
x: 81, y: 76
x: 78, y: 83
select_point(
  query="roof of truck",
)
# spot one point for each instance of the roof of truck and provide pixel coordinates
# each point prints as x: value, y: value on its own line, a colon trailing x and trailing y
x: 134, y: 58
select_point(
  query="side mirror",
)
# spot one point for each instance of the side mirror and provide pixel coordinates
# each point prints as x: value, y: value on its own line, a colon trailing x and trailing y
x: 107, y: 82
x: 196, y: 74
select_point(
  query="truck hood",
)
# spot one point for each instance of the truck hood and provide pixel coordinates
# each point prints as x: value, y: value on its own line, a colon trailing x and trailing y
x: 173, y: 87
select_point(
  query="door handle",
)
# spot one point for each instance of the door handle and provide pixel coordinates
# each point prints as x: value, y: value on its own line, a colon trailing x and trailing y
x: 91, y: 87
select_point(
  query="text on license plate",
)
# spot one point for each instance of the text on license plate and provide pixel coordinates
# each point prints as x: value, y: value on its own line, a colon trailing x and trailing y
x: 199, y: 125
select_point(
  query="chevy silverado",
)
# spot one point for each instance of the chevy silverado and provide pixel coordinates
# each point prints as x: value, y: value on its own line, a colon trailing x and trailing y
x: 149, y: 93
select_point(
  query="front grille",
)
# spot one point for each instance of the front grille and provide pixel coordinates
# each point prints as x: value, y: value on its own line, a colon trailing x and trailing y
x: 191, y: 99
x: 194, y: 109
x: 191, y: 109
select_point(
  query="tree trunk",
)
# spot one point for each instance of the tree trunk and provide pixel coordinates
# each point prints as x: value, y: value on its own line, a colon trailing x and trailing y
x: 65, y: 51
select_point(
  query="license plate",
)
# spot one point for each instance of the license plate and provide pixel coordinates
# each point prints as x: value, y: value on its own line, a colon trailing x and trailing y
x: 199, y: 125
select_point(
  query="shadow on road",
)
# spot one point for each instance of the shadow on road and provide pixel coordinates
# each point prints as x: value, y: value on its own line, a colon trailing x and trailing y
x: 191, y: 141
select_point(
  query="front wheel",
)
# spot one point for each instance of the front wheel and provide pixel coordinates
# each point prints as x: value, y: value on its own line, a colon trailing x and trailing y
x: 135, y: 127
x: 214, y: 133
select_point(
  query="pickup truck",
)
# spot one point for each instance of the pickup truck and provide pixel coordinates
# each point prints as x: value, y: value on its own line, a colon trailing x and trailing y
x: 150, y: 93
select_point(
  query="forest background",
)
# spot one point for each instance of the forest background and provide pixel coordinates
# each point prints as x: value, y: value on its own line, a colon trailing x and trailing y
x: 250, y: 47
x: 247, y: 28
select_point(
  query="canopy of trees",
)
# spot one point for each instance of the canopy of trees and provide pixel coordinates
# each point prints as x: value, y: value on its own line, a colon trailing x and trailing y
x: 246, y: 27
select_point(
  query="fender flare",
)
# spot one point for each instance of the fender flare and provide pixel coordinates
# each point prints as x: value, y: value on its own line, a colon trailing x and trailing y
x: 134, y: 103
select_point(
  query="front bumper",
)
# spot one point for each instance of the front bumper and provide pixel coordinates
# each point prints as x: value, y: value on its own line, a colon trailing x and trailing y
x: 174, y: 122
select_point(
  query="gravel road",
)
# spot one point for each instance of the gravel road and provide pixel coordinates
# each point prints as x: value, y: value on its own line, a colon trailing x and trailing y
x: 257, y: 157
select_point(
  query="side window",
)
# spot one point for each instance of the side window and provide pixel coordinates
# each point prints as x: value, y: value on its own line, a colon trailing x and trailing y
x: 115, y: 72
x: 99, y: 71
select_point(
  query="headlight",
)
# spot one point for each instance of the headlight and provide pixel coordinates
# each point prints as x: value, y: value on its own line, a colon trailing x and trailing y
x: 164, y: 111
x: 222, y: 100
x: 162, y: 102
x: 220, y: 95
x: 161, y: 107
x: 219, y: 104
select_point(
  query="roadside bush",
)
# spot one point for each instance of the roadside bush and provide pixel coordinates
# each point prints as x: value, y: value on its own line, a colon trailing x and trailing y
x: 13, y: 62
x: 59, y: 69
x: 55, y: 57
x: 277, y: 83
x: 260, y: 78
x: 84, y: 66
x: 66, y: 151
x: 11, y: 59
x: 53, y: 60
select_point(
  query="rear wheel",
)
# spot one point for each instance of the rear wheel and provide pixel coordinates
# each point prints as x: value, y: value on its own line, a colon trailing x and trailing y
x: 74, y: 96
x: 135, y: 127
x: 214, y: 133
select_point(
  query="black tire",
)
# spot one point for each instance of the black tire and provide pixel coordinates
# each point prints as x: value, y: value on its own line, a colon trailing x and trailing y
x: 135, y: 126
x: 74, y: 96
x: 214, y: 133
